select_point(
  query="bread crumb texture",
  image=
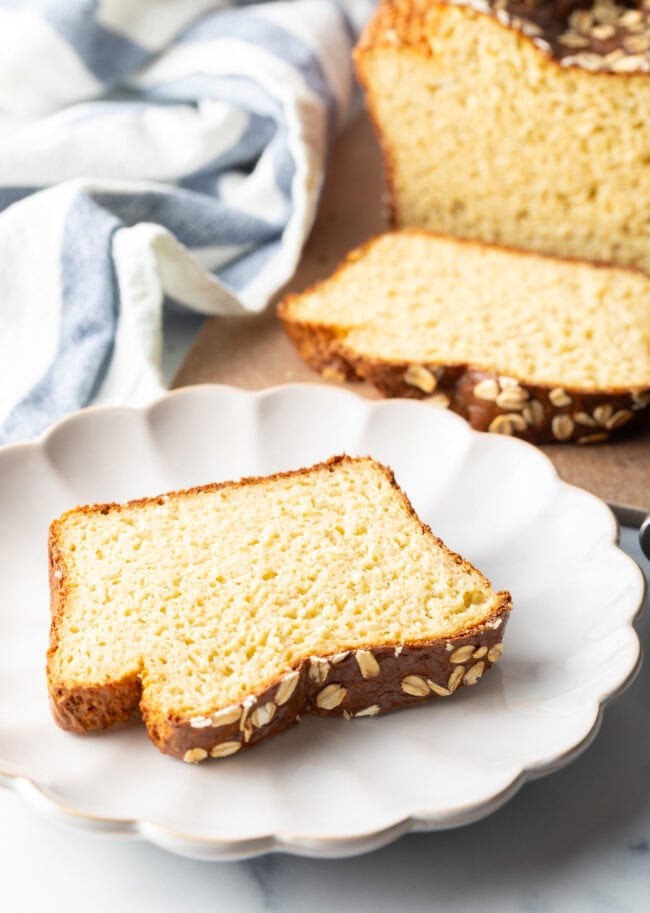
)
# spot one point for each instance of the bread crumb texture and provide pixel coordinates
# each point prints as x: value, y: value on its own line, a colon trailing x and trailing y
x: 521, y: 124
x: 413, y: 297
x: 209, y: 595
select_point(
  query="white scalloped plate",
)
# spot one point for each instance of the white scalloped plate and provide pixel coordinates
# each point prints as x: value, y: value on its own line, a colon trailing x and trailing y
x: 327, y: 787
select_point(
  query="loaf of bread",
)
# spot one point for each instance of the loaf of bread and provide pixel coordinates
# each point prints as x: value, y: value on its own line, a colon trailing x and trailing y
x: 520, y: 123
x: 222, y: 613
x: 517, y: 343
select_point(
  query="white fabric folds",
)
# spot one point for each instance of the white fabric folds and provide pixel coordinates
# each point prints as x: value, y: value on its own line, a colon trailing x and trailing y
x: 151, y: 152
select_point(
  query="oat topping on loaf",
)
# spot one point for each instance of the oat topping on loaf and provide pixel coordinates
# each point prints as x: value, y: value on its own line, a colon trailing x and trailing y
x: 597, y: 35
x: 517, y: 343
x: 524, y: 124
x: 222, y: 613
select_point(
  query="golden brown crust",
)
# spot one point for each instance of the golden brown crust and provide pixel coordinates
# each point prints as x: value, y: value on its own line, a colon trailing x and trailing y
x: 79, y: 707
x: 87, y: 708
x: 367, y: 44
x: 410, y: 25
x: 83, y: 707
x: 519, y: 406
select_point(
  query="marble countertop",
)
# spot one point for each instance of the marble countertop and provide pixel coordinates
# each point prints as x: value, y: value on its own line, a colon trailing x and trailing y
x: 577, y: 841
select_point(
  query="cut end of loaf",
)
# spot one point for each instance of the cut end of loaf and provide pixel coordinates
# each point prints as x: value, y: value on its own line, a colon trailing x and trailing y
x: 234, y: 607
x: 527, y: 138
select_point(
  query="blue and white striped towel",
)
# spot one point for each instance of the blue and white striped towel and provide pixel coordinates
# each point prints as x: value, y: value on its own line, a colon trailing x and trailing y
x: 151, y: 150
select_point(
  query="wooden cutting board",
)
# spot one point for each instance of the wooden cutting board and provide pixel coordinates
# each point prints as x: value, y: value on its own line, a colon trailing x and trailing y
x: 253, y: 352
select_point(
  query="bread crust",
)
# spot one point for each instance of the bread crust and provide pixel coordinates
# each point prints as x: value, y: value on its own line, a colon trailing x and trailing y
x: 84, y: 707
x: 409, y: 24
x: 78, y: 707
x: 518, y: 406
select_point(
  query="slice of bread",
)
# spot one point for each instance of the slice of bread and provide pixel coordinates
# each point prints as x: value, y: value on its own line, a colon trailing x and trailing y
x: 517, y: 122
x: 517, y: 343
x: 221, y: 613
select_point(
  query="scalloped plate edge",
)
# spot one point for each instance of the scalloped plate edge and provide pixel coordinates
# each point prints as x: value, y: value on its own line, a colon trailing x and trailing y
x: 208, y: 849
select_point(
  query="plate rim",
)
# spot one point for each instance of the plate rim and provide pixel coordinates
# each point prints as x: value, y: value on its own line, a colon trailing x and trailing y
x: 215, y: 849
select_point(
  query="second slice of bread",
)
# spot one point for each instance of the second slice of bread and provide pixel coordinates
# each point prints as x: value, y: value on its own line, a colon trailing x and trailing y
x: 222, y: 613
x: 517, y: 343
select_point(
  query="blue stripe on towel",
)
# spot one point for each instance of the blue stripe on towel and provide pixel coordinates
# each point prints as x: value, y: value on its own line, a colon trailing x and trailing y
x: 283, y: 163
x: 106, y: 54
x: 89, y: 314
x: 195, y: 219
x: 241, y: 91
x: 241, y: 156
x: 238, y: 274
x: 9, y: 195
x: 268, y: 36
